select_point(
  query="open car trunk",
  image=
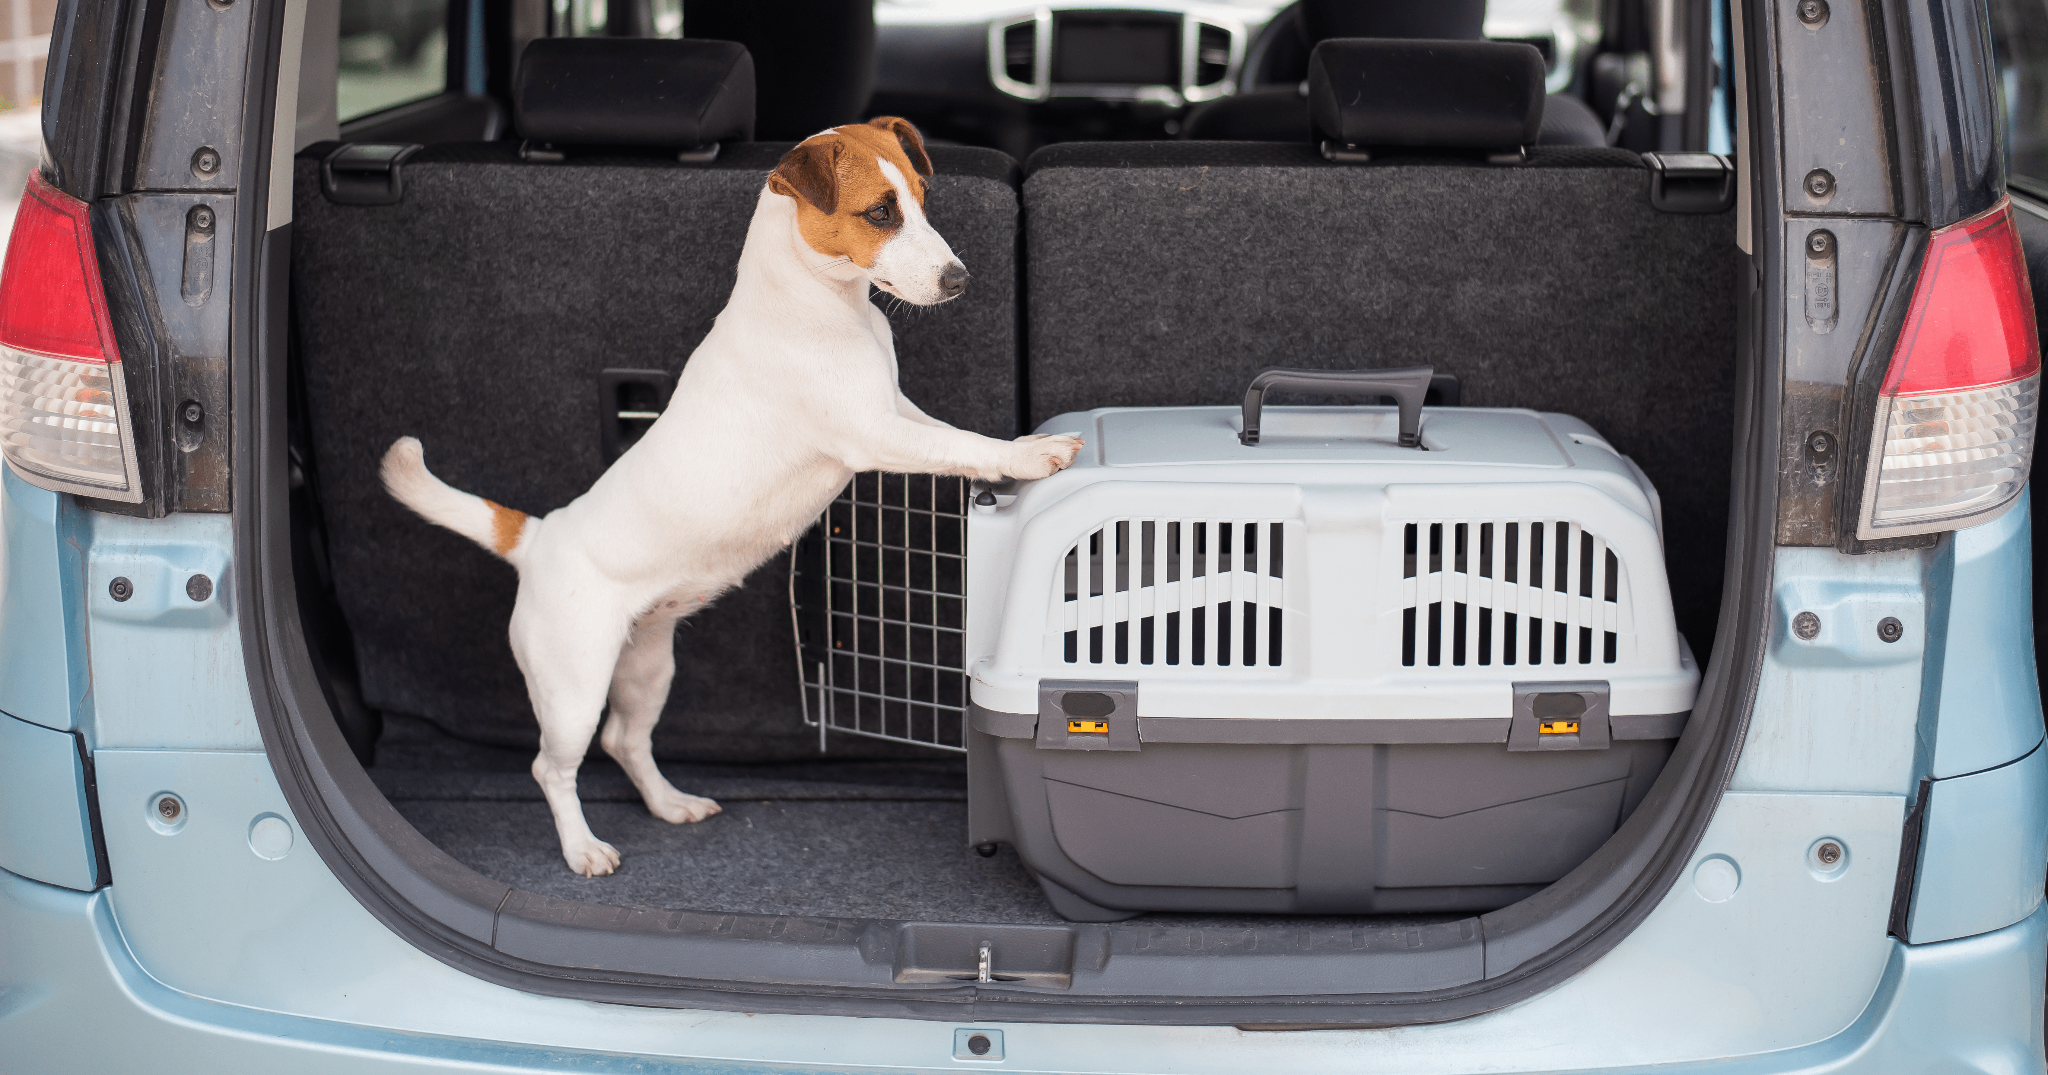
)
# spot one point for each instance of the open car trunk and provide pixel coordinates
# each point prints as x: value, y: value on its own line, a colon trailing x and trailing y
x: 518, y: 316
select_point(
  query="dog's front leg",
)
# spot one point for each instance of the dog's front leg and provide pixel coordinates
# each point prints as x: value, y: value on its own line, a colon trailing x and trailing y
x: 902, y: 446
x: 647, y: 665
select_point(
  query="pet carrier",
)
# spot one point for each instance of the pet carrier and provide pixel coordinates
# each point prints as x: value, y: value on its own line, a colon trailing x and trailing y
x: 1317, y: 659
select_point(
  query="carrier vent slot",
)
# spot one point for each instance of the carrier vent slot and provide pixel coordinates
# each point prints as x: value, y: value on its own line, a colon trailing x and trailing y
x: 1181, y: 593
x: 1508, y: 593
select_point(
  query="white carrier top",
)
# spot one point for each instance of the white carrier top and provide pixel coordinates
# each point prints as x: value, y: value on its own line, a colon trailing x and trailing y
x: 1327, y: 571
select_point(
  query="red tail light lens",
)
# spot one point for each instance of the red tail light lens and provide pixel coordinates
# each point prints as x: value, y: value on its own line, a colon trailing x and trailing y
x: 63, y: 404
x: 1954, y: 436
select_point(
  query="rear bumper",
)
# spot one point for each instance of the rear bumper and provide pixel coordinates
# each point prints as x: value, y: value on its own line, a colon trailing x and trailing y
x: 72, y: 998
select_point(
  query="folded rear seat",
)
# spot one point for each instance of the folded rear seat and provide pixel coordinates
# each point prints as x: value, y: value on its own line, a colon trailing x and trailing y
x: 471, y: 295
x: 1425, y: 228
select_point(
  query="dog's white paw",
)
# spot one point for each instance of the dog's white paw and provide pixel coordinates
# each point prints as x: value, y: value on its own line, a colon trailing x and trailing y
x: 679, y: 808
x: 591, y: 858
x: 1040, y: 454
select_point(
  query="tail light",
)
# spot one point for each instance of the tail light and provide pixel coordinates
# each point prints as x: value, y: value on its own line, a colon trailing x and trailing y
x: 63, y: 405
x: 1954, y: 435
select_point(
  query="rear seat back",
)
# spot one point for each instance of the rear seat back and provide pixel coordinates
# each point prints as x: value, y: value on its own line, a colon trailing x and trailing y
x: 1169, y: 273
x: 477, y: 312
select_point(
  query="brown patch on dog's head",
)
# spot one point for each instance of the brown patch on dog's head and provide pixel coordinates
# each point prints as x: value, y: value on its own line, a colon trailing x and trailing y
x: 846, y: 207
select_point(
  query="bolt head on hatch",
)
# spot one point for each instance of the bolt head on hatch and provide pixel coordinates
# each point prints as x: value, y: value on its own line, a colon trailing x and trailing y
x: 1806, y: 625
x: 972, y: 1043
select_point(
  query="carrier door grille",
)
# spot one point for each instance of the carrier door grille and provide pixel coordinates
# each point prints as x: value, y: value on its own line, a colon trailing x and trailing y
x: 1180, y: 593
x: 1509, y: 593
x: 878, y: 593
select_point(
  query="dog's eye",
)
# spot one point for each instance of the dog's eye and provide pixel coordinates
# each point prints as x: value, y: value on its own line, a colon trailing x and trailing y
x: 880, y: 214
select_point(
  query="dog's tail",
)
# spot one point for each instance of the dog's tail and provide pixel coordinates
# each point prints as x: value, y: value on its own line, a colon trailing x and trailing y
x: 494, y: 526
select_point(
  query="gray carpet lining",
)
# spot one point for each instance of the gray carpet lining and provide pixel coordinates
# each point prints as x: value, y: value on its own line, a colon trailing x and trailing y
x: 831, y: 838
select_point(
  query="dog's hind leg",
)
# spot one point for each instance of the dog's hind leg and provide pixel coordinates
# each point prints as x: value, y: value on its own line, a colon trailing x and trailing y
x: 568, y: 665
x: 640, y: 684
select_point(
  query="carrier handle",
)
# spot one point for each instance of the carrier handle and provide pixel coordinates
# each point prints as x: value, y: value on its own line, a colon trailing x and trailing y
x: 1407, y: 386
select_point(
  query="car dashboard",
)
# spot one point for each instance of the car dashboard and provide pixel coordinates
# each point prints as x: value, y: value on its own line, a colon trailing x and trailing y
x: 1017, y: 76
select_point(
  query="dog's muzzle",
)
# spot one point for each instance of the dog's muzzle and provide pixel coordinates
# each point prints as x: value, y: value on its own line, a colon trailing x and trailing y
x: 953, y: 280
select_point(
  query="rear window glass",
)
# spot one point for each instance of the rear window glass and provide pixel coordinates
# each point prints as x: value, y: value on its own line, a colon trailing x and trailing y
x: 392, y: 52
x: 2019, y: 37
x: 597, y: 18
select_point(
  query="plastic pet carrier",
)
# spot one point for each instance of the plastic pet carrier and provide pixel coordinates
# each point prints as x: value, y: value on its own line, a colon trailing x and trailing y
x: 1317, y: 659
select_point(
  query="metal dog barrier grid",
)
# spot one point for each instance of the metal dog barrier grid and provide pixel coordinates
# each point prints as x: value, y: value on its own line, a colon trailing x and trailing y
x: 878, y: 600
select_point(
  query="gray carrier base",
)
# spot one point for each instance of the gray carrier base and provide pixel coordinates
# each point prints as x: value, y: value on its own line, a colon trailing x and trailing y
x: 1318, y: 660
x: 1295, y: 817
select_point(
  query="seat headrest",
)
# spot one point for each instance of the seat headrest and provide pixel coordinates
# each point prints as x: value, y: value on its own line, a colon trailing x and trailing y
x: 625, y: 91
x: 1458, y: 20
x: 1480, y: 95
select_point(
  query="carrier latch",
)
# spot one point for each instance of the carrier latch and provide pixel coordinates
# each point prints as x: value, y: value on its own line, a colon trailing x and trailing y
x: 1560, y: 716
x: 1087, y: 714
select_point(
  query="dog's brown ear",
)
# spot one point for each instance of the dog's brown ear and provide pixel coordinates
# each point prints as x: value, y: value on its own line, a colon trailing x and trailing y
x: 907, y: 137
x: 811, y: 172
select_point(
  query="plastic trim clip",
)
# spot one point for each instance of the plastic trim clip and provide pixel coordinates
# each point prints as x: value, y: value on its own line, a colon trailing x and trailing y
x: 366, y: 173
x: 1690, y: 182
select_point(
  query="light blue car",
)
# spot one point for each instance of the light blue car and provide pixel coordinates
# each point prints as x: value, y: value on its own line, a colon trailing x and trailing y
x: 264, y: 797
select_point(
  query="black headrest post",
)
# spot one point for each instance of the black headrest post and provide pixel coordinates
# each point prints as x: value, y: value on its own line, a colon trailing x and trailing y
x: 1372, y: 93
x: 685, y: 96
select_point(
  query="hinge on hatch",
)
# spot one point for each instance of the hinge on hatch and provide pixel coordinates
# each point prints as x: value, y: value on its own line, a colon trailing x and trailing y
x: 367, y: 173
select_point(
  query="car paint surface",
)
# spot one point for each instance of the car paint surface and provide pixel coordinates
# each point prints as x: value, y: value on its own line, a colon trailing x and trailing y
x: 1755, y: 954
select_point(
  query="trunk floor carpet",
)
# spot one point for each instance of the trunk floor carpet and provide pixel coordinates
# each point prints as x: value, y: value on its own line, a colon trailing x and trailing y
x: 841, y: 839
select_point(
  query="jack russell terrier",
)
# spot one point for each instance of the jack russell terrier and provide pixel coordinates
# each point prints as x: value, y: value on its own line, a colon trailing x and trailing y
x: 792, y: 392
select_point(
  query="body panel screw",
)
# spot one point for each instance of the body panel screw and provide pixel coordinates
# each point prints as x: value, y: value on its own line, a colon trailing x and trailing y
x: 168, y: 808
x: 121, y: 589
x: 1890, y: 629
x: 199, y: 587
x: 1806, y: 625
x: 1813, y: 13
x: 206, y: 161
x: 1829, y: 853
x: 1820, y: 183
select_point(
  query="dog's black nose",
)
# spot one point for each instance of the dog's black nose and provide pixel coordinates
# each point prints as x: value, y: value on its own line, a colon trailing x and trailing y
x: 953, y: 279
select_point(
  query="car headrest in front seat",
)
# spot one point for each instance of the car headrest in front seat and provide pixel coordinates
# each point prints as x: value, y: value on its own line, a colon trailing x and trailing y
x: 815, y: 58
x: 1366, y: 93
x: 624, y: 91
x: 1462, y: 20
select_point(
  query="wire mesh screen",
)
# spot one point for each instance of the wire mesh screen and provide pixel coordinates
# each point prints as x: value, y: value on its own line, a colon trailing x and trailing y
x: 878, y: 592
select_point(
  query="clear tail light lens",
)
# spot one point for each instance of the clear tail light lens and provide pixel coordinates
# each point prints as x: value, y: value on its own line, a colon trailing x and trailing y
x: 1954, y: 435
x: 63, y: 404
